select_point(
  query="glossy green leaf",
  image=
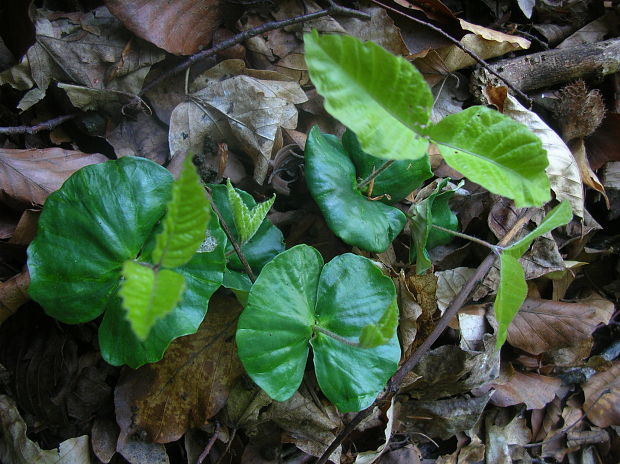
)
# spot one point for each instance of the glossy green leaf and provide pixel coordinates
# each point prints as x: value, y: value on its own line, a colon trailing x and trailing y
x: 331, y: 179
x: 148, y: 295
x: 247, y: 220
x: 99, y: 219
x: 266, y: 243
x: 344, y: 296
x: 380, y: 97
x: 203, y: 275
x: 512, y: 289
x: 495, y: 151
x: 273, y: 333
x: 380, y: 333
x: 186, y: 219
x: 397, y: 181
x: 432, y: 210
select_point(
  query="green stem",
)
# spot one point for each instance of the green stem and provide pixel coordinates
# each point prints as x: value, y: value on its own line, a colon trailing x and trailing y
x: 335, y: 336
x: 494, y: 248
x: 374, y: 174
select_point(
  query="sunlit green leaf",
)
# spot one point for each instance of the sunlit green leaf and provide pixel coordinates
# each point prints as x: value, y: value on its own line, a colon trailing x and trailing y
x: 380, y: 333
x: 380, y: 97
x: 247, y: 220
x: 185, y: 223
x: 495, y: 151
x: 148, y: 295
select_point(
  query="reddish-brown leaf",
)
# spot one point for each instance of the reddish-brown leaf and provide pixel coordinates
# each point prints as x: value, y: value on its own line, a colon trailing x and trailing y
x: 534, y: 390
x: 182, y: 27
x: 27, y: 177
x: 13, y: 294
x: 602, y: 393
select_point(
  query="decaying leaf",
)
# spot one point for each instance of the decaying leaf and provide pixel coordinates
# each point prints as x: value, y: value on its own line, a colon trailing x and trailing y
x: 245, y: 112
x: 27, y: 177
x: 181, y: 27
x: 141, y: 452
x: 368, y: 457
x: 602, y: 391
x: 142, y: 136
x: 188, y: 386
x: 13, y: 294
x: 502, y: 435
x: 17, y: 448
x: 542, y: 325
x: 515, y: 387
x: 588, y: 176
x: 449, y: 283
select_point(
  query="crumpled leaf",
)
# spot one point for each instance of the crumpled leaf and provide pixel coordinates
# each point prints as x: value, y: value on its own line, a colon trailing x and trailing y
x: 450, y: 282
x: 188, y: 386
x: 182, y: 27
x: 588, y: 176
x: 543, y: 325
x: 602, y: 392
x: 17, y: 448
x: 28, y: 176
x: 244, y: 112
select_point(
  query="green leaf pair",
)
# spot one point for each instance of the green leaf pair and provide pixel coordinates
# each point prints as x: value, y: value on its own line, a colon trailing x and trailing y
x: 332, y: 171
x: 295, y: 301
x: 387, y: 103
x: 103, y: 217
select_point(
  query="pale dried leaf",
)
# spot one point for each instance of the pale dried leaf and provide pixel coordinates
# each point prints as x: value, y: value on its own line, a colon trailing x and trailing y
x: 141, y: 452
x: 602, y: 392
x: 473, y: 327
x: 17, y: 448
x: 182, y: 27
x: 27, y: 177
x: 588, y: 177
x: 188, y: 386
x: 501, y: 437
x: 450, y: 283
x: 594, y: 31
x: 542, y: 325
x: 368, y: 457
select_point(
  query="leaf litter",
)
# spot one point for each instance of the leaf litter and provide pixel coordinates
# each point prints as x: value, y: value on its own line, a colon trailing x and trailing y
x: 551, y: 393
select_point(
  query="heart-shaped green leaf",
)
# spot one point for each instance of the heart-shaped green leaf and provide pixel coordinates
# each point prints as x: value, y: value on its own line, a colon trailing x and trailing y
x: 512, y: 289
x: 495, y: 151
x: 342, y: 297
x: 380, y: 97
x: 99, y: 219
x: 397, y: 181
x: 331, y: 179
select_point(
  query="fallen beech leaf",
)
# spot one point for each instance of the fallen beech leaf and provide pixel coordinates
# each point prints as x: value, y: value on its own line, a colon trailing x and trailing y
x: 188, y: 386
x: 27, y: 177
x: 611, y: 176
x: 13, y: 294
x: 143, y: 137
x: 17, y: 448
x: 543, y: 325
x: 103, y: 438
x: 140, y: 452
x: 602, y: 392
x: 182, y: 27
x: 449, y: 283
x: 515, y: 387
x: 501, y: 436
x: 602, y: 146
x: 26, y: 227
x: 588, y: 177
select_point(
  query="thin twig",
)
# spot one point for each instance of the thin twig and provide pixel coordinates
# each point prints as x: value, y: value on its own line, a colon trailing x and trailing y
x: 231, y: 238
x: 482, y: 62
x: 458, y: 302
x: 45, y: 125
x: 210, y: 444
x: 479, y: 241
x: 332, y: 9
x: 374, y: 174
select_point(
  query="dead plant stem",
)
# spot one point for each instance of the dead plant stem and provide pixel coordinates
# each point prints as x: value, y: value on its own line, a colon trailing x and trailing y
x: 45, y: 125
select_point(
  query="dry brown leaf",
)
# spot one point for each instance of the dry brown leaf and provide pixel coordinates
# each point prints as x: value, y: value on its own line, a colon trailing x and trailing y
x: 502, y: 435
x: 26, y: 227
x: 103, y: 437
x: 136, y: 451
x: 182, y: 27
x: 602, y: 146
x: 602, y: 392
x: 611, y: 178
x: 542, y: 325
x: 27, y: 177
x: 588, y: 177
x: 188, y: 386
x: 449, y: 283
x: 142, y: 136
x: 515, y: 387
x: 13, y: 294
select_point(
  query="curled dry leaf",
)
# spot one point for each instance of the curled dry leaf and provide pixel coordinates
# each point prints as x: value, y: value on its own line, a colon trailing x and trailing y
x: 182, y: 27
x: 17, y: 448
x: 602, y: 391
x: 588, y: 176
x: 542, y: 325
x: 27, y: 177
x: 188, y: 386
x: 515, y: 387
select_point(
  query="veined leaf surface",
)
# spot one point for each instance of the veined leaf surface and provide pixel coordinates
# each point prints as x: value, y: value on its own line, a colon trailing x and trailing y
x: 247, y: 220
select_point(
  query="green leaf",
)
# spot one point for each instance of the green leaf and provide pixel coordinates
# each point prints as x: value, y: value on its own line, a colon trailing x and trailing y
x: 380, y: 97
x: 203, y: 275
x: 266, y: 243
x: 496, y: 152
x: 343, y: 297
x: 148, y: 295
x: 398, y: 181
x: 512, y: 289
x: 331, y: 179
x: 99, y: 219
x: 186, y: 220
x: 432, y: 210
x: 380, y: 333
x: 247, y: 221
